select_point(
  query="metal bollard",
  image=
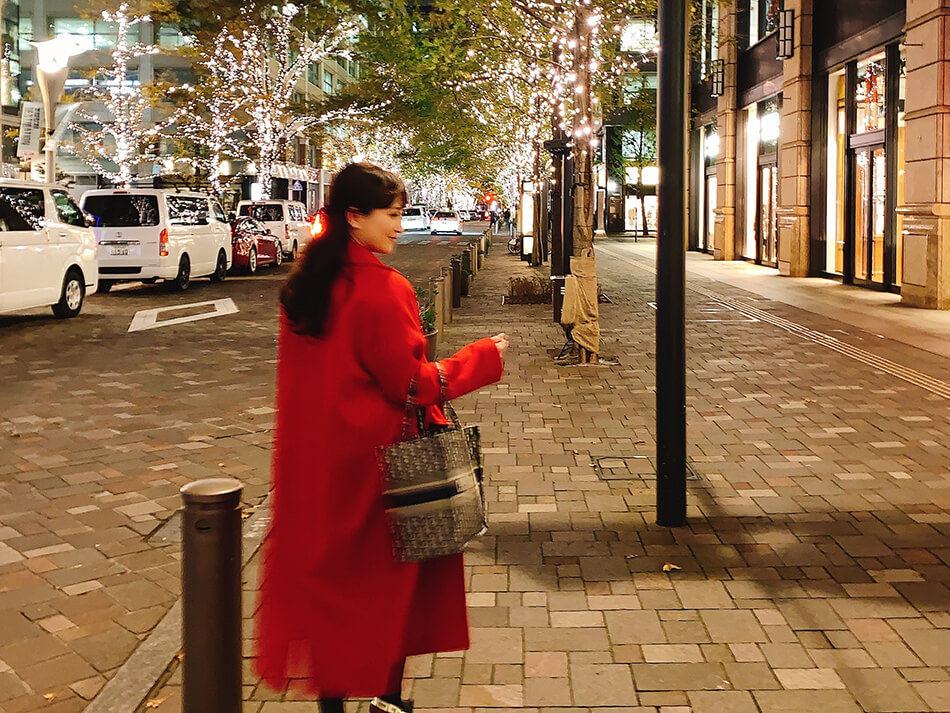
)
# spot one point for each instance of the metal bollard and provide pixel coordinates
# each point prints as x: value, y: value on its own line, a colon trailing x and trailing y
x: 473, y: 257
x: 447, y: 294
x: 436, y: 289
x: 211, y: 596
x: 456, y: 282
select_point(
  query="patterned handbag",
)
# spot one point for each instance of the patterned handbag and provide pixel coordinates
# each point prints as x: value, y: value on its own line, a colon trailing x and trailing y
x: 432, y: 485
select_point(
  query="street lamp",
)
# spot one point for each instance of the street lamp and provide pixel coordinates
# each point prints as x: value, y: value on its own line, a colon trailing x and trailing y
x: 51, y: 69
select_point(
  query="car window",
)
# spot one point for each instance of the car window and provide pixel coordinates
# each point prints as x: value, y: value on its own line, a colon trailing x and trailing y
x: 22, y: 209
x: 407, y: 212
x: 266, y: 212
x: 184, y: 210
x: 66, y: 210
x: 218, y: 212
x: 296, y: 212
x: 445, y: 214
x: 122, y: 211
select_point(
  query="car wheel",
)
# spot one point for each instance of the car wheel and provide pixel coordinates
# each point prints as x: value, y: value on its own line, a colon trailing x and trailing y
x: 458, y: 232
x: 252, y: 261
x: 293, y: 251
x: 105, y: 286
x: 221, y: 269
x: 72, y: 296
x: 433, y: 233
x: 280, y: 257
x: 183, y: 278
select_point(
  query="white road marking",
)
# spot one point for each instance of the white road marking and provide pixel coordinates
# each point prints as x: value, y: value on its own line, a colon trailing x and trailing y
x: 149, y: 318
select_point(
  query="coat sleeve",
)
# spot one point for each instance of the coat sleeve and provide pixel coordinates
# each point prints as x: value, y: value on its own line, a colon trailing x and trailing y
x: 391, y: 347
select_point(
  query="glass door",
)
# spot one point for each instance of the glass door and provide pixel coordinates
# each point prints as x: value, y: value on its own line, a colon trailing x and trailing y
x: 766, y: 225
x: 870, y: 215
x: 709, y: 226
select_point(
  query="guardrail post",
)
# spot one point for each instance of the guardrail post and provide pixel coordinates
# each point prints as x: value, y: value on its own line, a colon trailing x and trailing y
x: 211, y: 596
x: 447, y: 293
x: 456, y: 263
x: 436, y: 290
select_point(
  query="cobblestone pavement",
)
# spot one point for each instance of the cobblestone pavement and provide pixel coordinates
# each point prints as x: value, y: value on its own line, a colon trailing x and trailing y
x: 813, y: 574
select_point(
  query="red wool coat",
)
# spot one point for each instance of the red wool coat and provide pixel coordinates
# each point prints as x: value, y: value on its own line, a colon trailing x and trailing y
x: 335, y: 611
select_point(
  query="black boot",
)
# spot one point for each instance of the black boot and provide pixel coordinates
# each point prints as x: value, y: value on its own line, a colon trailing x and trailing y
x: 331, y: 705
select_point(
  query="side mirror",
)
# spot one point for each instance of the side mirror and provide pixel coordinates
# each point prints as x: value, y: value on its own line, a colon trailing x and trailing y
x: 89, y: 220
x: 267, y: 231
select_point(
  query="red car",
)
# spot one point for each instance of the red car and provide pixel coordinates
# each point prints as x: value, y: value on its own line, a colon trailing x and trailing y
x: 253, y: 245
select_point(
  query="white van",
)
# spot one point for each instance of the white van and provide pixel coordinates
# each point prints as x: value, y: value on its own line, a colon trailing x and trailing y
x: 154, y: 234
x: 47, y: 254
x: 287, y: 220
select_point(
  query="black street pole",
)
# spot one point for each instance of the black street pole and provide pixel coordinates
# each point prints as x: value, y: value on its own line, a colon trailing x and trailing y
x: 671, y: 270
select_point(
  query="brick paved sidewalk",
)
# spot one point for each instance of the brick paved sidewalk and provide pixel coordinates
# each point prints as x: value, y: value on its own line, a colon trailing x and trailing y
x: 813, y: 574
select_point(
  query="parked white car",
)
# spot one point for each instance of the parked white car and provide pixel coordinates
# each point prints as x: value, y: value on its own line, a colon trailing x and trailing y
x: 47, y: 254
x: 446, y: 221
x: 415, y: 218
x: 151, y: 234
x: 287, y: 220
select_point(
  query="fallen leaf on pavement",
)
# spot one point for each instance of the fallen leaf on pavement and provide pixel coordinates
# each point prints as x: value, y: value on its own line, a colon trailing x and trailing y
x: 670, y: 567
x: 155, y: 702
x: 49, y: 696
x: 629, y: 557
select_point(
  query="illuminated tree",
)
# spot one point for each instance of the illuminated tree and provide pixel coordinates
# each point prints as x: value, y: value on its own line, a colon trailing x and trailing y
x: 124, y: 135
x: 266, y: 59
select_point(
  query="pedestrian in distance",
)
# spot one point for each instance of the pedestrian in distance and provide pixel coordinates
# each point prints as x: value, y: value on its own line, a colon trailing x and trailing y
x: 507, y: 218
x: 492, y: 219
x: 337, y: 615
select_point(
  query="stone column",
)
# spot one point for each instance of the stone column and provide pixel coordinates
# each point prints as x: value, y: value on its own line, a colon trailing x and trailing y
x: 724, y: 238
x: 794, y: 209
x: 926, y: 210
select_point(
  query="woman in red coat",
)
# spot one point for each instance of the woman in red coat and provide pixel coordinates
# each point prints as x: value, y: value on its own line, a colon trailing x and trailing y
x: 337, y: 615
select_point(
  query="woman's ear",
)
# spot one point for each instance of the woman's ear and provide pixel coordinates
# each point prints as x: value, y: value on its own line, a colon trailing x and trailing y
x: 354, y: 218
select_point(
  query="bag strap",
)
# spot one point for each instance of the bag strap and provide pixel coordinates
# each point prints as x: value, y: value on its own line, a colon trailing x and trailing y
x: 411, y: 404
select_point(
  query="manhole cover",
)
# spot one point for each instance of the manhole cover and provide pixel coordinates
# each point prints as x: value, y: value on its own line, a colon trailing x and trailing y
x: 624, y: 467
x: 632, y: 468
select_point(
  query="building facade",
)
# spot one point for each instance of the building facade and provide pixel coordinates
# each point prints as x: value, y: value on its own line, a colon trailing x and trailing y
x: 820, y: 143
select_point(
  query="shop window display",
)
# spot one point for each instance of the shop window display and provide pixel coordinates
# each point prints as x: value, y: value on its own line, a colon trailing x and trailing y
x: 836, y: 154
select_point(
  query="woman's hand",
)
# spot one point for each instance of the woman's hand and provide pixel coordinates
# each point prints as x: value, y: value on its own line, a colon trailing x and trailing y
x: 501, y: 344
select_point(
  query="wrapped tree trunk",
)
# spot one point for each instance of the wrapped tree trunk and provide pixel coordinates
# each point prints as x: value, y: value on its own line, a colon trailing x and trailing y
x: 586, y: 332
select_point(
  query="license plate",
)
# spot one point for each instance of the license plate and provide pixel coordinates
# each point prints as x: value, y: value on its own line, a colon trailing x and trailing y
x: 120, y: 251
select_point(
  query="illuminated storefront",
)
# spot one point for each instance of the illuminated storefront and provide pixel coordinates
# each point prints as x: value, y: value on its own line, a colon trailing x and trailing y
x: 797, y: 148
x: 864, y: 170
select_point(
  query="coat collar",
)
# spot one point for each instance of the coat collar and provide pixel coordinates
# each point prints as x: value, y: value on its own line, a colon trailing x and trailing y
x: 359, y: 255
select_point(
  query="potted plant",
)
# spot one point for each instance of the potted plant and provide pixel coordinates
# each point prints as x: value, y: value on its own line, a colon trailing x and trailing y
x: 466, y: 281
x: 427, y: 318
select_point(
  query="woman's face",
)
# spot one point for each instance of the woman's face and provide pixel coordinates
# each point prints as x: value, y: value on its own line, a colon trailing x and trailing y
x: 379, y: 230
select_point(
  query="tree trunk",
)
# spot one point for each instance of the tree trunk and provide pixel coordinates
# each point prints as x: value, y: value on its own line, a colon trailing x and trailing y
x: 587, y: 329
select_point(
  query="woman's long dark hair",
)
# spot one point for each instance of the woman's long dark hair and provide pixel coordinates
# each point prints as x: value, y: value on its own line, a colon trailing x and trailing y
x: 306, y: 294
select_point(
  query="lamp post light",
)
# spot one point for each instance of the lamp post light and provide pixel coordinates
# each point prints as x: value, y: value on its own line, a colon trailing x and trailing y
x: 51, y: 70
x: 526, y: 219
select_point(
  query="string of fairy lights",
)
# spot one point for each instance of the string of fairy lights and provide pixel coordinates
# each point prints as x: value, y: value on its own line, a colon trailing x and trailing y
x: 536, y: 66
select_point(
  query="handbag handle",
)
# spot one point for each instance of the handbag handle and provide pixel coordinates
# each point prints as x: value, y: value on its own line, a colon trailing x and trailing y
x: 411, y: 403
